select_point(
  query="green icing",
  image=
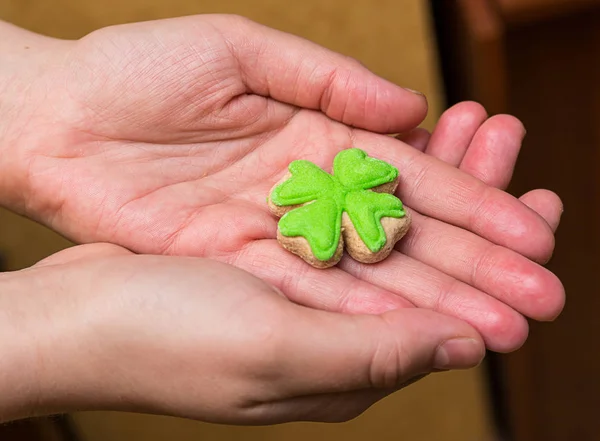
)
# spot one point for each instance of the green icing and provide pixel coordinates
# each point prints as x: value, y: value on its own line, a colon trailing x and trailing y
x: 354, y: 170
x: 366, y: 208
x: 327, y: 197
x: 308, y: 183
x: 319, y: 222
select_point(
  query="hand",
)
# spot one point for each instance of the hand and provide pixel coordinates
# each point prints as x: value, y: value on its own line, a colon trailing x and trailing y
x: 98, y: 328
x: 165, y: 138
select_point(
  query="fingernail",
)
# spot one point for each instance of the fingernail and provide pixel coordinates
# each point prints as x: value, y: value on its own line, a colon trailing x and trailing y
x: 414, y: 91
x: 459, y: 353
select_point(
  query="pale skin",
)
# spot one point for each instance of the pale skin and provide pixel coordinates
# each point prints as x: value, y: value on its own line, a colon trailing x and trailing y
x: 164, y: 138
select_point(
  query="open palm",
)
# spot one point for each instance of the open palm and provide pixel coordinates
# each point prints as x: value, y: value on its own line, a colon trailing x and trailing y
x: 170, y: 134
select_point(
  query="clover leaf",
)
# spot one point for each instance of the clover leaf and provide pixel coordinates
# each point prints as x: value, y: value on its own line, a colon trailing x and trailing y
x: 323, y: 198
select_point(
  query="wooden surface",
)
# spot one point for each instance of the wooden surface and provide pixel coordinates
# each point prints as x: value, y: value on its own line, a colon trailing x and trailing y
x: 392, y: 37
x: 551, y: 387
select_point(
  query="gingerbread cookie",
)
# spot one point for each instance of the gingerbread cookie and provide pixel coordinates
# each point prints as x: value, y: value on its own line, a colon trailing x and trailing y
x: 353, y: 208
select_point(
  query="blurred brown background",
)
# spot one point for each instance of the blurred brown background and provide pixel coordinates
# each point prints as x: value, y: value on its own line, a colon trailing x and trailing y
x: 537, y: 59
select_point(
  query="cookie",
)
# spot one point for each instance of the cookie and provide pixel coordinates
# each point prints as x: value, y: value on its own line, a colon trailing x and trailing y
x: 353, y: 209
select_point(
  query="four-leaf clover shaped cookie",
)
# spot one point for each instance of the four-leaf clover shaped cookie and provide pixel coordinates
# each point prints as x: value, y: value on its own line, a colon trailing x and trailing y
x: 353, y: 207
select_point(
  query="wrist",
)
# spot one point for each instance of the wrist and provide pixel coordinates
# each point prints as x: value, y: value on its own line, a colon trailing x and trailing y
x: 20, y: 346
x: 17, y: 379
x: 44, y: 367
x: 27, y: 60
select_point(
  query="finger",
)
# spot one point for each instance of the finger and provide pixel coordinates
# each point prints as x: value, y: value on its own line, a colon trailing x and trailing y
x: 331, y: 289
x: 398, y: 282
x: 439, y: 190
x: 504, y: 274
x: 296, y: 71
x: 417, y: 138
x: 502, y: 328
x: 454, y: 132
x: 331, y: 353
x: 493, y: 152
x: 547, y: 204
x: 81, y: 252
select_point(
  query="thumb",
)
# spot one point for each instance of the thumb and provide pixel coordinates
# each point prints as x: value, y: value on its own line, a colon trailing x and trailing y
x: 293, y: 70
x: 332, y: 353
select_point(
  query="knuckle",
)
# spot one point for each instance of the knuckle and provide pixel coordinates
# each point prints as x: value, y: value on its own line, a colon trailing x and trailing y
x: 390, y: 364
